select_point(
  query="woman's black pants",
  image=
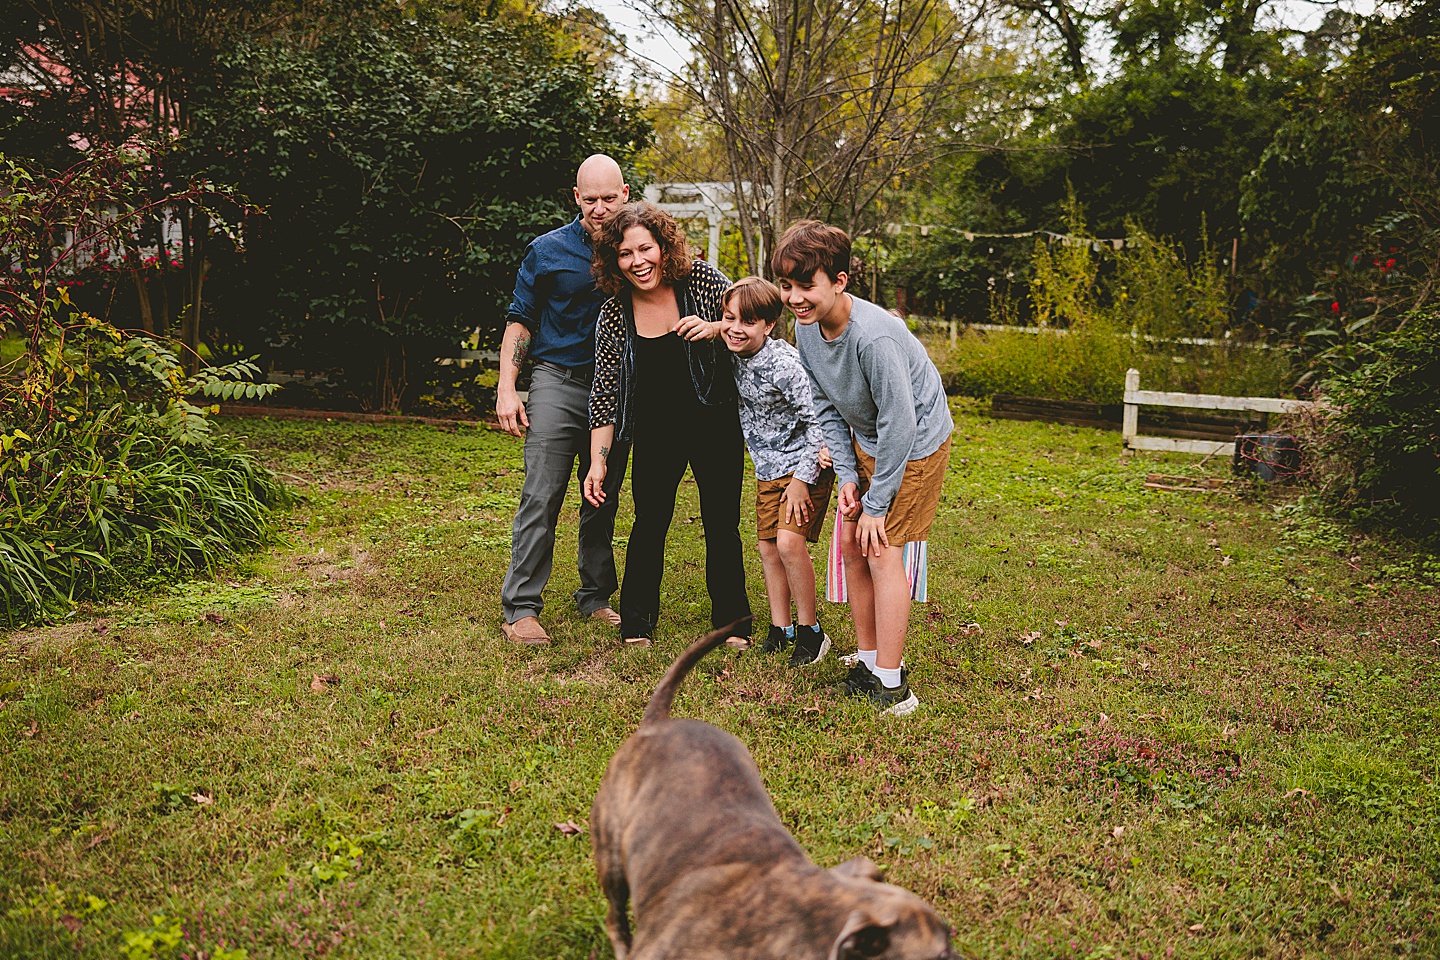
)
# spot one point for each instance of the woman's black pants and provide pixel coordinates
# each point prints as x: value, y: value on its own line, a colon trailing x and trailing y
x: 714, y: 449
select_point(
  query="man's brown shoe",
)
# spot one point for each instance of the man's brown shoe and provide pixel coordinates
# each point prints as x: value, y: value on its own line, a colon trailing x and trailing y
x: 606, y: 615
x: 526, y: 630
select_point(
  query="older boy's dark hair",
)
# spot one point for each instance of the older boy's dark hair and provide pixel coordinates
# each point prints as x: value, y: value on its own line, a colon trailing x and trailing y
x: 755, y: 297
x: 810, y: 245
x: 675, y: 252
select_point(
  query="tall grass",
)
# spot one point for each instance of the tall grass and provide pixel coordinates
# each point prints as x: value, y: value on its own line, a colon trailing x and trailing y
x: 1098, y: 312
x: 114, y: 499
x: 1090, y: 364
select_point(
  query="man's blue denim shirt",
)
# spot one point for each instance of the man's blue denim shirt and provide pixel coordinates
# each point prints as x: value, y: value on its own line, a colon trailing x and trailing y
x: 556, y: 299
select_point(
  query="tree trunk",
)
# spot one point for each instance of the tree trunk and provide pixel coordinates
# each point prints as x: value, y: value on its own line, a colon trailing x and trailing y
x: 195, y: 270
x: 142, y: 296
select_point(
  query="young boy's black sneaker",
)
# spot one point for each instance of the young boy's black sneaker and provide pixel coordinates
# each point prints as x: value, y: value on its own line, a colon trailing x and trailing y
x: 811, y: 645
x: 896, y: 701
x: 776, y: 641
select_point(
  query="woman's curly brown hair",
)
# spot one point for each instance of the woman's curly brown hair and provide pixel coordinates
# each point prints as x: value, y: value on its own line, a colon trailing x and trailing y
x: 675, y: 253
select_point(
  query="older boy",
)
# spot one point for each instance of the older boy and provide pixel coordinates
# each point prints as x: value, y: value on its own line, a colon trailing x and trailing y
x: 871, y: 379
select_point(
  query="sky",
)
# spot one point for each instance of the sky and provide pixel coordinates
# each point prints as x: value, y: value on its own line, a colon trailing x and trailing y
x: 650, y: 41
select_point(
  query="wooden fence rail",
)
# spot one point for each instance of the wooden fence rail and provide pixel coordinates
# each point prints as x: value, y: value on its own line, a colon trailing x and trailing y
x: 1135, y: 398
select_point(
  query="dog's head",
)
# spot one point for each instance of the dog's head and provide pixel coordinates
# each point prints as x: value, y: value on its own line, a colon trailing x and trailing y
x: 887, y: 923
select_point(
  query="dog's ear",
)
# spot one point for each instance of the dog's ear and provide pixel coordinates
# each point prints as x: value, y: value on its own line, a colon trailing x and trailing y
x: 858, y: 868
x: 864, y: 935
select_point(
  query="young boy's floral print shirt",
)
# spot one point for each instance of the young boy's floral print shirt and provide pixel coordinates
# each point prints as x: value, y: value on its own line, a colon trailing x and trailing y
x: 777, y: 413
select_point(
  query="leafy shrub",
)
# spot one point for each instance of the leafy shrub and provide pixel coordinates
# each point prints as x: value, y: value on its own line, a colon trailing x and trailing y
x: 1377, y: 439
x: 120, y: 487
x: 109, y: 471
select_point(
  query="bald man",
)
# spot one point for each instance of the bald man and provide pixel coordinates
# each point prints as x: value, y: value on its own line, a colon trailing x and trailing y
x: 552, y: 321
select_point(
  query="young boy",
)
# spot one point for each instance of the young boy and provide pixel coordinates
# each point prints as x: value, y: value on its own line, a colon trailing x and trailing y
x: 870, y: 376
x: 792, y: 479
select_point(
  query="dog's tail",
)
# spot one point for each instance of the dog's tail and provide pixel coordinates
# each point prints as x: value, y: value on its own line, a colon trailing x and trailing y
x: 659, y: 706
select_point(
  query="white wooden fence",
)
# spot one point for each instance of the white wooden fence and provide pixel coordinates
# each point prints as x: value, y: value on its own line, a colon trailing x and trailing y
x: 1135, y: 398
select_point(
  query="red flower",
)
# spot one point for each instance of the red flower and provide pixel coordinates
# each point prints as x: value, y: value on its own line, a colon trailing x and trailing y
x: 1335, y: 307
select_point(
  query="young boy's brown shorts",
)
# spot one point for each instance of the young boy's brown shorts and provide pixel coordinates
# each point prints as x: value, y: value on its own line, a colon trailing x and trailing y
x: 915, y: 505
x: 770, y: 507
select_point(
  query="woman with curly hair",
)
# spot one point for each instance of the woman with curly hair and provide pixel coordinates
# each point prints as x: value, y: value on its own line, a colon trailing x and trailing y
x: 662, y: 382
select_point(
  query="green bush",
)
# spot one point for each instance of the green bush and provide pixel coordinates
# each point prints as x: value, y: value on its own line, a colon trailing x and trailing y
x: 124, y: 485
x: 1377, y: 438
x: 109, y: 472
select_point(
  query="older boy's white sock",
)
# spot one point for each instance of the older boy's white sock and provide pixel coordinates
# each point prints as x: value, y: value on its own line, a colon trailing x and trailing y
x: 867, y: 657
x: 887, y: 675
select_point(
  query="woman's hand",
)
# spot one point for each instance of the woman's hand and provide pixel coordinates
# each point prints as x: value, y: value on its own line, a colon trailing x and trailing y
x: 797, y: 501
x: 602, y: 440
x: 693, y: 328
x: 826, y: 461
x: 850, y: 501
x: 595, y: 481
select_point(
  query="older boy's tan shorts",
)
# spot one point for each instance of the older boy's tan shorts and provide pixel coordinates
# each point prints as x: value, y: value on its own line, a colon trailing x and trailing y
x: 918, y: 499
x: 770, y: 507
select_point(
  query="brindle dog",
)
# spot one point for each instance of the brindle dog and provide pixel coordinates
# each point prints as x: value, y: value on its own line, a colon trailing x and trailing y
x: 682, y: 826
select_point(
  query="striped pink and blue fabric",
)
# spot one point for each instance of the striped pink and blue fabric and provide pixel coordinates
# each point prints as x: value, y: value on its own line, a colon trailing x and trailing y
x: 917, y: 569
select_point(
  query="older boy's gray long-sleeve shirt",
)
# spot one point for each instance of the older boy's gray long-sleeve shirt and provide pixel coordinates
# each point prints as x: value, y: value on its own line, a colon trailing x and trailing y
x: 877, y: 380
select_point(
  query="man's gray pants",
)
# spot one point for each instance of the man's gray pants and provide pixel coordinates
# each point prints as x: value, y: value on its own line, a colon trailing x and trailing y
x: 558, y: 435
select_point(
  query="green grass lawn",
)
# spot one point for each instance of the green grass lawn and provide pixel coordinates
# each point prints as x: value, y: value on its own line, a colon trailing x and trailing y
x: 1154, y: 724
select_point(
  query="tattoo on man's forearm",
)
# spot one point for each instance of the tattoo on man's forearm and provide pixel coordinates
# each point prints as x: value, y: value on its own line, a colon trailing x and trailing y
x: 604, y: 452
x: 522, y: 349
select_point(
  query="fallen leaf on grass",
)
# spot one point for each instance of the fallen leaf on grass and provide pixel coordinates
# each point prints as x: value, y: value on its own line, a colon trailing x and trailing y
x: 1226, y: 561
x: 1029, y: 638
x: 1148, y: 648
x: 201, y: 798
x: 570, y: 828
x: 972, y: 629
x: 1229, y: 732
x: 71, y: 922
x: 321, y: 682
x: 1145, y: 753
x: 1300, y: 791
x: 31, y: 730
x: 428, y: 733
x: 503, y: 814
x: 214, y: 618
x: 1196, y: 927
x: 1118, y: 832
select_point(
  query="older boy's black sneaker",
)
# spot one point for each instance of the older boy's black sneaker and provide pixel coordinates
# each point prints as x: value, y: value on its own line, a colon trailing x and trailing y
x: 811, y: 645
x: 896, y: 701
x: 860, y: 681
x: 776, y: 640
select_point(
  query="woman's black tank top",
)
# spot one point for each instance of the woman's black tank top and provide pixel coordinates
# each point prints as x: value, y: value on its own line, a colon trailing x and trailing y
x: 664, y: 391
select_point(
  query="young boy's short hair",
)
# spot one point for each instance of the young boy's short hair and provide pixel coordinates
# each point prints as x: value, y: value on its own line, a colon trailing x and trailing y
x: 755, y: 297
x: 810, y: 245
